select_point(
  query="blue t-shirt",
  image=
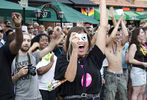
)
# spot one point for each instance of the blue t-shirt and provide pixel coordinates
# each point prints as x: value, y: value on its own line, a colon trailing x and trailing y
x: 124, y: 65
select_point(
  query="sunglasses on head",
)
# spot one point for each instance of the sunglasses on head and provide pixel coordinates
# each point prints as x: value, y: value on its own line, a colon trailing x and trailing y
x: 1, y: 31
x: 30, y: 28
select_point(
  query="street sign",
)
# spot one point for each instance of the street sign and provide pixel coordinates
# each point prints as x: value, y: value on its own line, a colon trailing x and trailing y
x: 24, y: 3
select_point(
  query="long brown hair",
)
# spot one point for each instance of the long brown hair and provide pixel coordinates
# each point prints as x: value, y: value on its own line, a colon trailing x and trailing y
x: 76, y: 29
x: 134, y: 39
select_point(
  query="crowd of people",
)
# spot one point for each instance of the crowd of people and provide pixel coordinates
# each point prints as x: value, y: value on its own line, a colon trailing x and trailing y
x: 82, y: 63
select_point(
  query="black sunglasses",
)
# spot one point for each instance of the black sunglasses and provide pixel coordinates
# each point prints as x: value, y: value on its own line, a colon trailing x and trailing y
x: 31, y: 28
x: 1, y: 31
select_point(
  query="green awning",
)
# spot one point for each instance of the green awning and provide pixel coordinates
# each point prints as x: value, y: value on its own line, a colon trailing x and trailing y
x: 49, y: 20
x: 142, y: 15
x: 130, y: 15
x: 51, y: 15
x: 97, y: 14
x: 72, y: 15
x: 7, y: 7
x: 27, y: 18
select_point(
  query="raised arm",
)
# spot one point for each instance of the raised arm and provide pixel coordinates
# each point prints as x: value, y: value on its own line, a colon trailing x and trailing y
x: 112, y: 16
x: 50, y: 47
x: 101, y: 33
x: 113, y: 34
x: 125, y: 33
x: 16, y: 43
x: 71, y: 70
x: 34, y: 46
x: 94, y: 38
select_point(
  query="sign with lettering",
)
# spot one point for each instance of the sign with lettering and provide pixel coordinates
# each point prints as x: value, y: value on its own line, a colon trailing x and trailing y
x: 46, y: 13
x: 24, y: 3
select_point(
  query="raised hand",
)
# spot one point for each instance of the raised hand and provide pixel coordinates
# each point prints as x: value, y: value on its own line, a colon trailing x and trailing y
x: 74, y: 40
x: 80, y: 24
x: 16, y: 17
x: 35, y: 45
x: 111, y: 12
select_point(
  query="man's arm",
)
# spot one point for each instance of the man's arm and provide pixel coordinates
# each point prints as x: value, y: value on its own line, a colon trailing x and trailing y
x: 16, y: 43
x: 112, y: 16
x: 23, y: 71
x: 125, y: 33
x: 113, y: 34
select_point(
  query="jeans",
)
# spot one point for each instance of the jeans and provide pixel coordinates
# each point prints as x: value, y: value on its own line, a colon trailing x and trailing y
x: 115, y: 83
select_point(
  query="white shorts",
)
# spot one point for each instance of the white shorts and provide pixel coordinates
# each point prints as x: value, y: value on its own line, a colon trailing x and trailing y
x: 138, y: 76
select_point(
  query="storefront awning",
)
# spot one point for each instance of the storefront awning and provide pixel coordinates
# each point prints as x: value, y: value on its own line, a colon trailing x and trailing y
x: 142, y: 15
x: 130, y: 15
x: 7, y: 7
x: 70, y: 15
x: 97, y: 14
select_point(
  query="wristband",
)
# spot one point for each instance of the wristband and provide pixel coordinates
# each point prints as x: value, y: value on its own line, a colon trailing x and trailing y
x: 18, y: 26
x: 139, y: 63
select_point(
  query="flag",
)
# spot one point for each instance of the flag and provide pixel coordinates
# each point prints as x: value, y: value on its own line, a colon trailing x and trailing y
x: 89, y: 11
x: 83, y: 11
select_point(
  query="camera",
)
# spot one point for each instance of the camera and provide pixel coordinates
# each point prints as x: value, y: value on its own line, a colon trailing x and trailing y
x: 82, y: 36
x: 31, y: 70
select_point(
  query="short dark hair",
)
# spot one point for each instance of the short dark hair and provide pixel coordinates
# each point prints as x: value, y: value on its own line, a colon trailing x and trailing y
x: 8, y: 31
x: 37, y: 38
x: 111, y: 29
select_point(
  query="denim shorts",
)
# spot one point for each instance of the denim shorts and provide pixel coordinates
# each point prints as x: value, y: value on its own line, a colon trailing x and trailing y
x: 146, y: 84
x: 138, y: 76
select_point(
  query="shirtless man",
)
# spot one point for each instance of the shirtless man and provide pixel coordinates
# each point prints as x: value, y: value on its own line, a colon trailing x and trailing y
x: 115, y: 80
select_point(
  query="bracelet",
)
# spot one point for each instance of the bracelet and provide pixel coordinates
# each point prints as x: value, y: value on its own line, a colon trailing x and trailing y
x: 18, y: 26
x: 139, y: 63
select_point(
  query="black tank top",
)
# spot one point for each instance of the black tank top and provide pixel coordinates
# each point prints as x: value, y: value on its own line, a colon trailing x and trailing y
x: 140, y: 57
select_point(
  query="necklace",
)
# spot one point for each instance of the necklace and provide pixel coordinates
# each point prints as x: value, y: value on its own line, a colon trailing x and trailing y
x: 114, y: 48
x: 143, y: 50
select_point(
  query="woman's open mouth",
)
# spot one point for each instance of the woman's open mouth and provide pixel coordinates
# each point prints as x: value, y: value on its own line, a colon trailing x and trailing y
x: 81, y: 48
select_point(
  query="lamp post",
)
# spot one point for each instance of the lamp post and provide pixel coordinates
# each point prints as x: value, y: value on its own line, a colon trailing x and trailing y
x: 37, y: 14
x: 24, y: 4
x: 61, y: 15
x: 24, y: 18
